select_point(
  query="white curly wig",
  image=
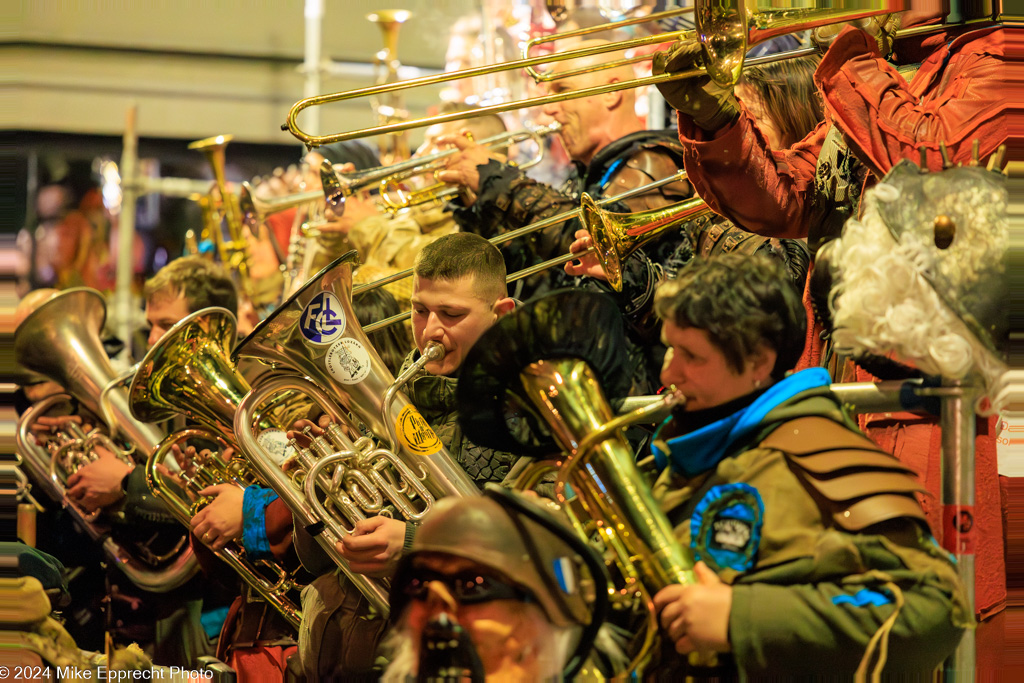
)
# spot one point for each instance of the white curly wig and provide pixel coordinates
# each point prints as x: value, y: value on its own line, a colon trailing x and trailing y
x: 920, y: 276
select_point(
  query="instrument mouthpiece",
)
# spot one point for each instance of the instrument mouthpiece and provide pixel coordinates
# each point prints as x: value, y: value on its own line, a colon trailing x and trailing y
x: 434, y: 351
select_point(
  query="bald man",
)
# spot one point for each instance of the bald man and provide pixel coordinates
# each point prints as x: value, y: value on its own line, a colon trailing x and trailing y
x: 611, y: 153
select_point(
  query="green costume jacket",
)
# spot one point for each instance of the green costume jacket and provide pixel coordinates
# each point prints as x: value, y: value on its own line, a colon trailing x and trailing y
x: 818, y: 532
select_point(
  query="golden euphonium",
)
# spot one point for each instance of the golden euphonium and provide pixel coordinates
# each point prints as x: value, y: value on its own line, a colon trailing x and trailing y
x: 532, y: 361
x: 61, y: 340
x: 601, y: 470
x: 315, y: 339
x: 189, y: 372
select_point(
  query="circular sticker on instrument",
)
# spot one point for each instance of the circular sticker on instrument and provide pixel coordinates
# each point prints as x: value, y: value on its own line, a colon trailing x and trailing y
x: 415, y: 433
x: 275, y: 442
x: 348, y: 361
x: 323, y: 319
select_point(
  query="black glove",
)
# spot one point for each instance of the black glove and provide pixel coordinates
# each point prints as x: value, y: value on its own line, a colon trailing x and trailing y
x: 709, y: 105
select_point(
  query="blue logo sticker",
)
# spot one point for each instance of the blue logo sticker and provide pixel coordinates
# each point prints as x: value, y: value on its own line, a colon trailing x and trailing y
x: 725, y: 530
x: 323, y: 319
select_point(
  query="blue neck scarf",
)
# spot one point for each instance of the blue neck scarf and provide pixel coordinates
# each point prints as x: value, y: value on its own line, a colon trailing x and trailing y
x: 700, y: 450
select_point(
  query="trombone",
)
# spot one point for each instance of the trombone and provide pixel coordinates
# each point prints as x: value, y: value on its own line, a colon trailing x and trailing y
x: 724, y: 29
x: 522, y: 232
x: 615, y: 237
x: 340, y: 186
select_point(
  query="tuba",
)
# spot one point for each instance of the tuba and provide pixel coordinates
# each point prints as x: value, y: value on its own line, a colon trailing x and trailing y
x: 343, y: 477
x: 61, y: 340
x: 540, y: 359
x: 189, y: 372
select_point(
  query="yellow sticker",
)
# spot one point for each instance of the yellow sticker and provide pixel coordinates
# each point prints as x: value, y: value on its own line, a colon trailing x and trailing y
x: 415, y: 434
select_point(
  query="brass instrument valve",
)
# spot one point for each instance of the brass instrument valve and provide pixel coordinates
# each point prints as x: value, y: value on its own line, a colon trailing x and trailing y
x: 75, y: 430
x: 300, y: 457
x: 336, y: 434
x: 191, y: 480
x: 318, y: 444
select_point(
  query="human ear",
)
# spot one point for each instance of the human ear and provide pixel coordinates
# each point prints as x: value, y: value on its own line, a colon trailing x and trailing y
x: 762, y: 362
x: 612, y: 99
x: 503, y: 307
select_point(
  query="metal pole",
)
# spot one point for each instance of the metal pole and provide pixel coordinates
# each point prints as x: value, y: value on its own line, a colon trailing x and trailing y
x: 126, y: 239
x: 314, y: 14
x: 958, y: 520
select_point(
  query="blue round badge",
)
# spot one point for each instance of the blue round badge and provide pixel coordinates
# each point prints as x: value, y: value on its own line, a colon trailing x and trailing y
x: 725, y: 530
x: 323, y: 319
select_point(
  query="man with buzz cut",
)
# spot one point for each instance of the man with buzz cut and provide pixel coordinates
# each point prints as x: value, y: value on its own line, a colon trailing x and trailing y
x: 458, y: 293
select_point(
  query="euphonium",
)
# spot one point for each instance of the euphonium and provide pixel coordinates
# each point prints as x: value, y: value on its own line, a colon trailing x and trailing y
x: 61, y: 340
x: 189, y: 372
x: 600, y: 467
x: 529, y: 360
x: 315, y: 339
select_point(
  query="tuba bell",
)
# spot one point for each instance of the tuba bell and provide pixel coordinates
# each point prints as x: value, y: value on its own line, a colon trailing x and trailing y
x: 316, y: 341
x: 61, y: 340
x: 189, y: 372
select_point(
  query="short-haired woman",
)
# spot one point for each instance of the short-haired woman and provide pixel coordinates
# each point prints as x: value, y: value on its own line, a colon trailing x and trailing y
x: 813, y: 556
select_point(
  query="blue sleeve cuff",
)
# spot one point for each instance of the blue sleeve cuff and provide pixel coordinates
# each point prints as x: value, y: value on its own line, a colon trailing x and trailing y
x: 254, y: 527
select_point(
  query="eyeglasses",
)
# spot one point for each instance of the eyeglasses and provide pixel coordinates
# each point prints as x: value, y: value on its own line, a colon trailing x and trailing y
x: 469, y: 587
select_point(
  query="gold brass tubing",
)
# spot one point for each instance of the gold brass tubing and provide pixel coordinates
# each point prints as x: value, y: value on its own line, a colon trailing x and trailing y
x: 291, y: 124
x: 316, y: 141
x: 533, y: 227
x: 656, y: 16
x: 724, y: 28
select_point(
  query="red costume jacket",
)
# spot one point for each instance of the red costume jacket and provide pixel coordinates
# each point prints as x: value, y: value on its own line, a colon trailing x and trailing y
x: 956, y: 96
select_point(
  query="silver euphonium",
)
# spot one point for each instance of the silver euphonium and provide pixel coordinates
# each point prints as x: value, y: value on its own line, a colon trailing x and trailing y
x: 61, y: 340
x: 315, y: 340
x: 189, y: 372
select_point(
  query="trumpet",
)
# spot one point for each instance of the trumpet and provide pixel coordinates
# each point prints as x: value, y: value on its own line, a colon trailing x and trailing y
x: 724, y: 29
x: 340, y: 186
x: 61, y: 340
x: 395, y: 198
x: 188, y: 372
x: 343, y: 477
x: 255, y: 209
